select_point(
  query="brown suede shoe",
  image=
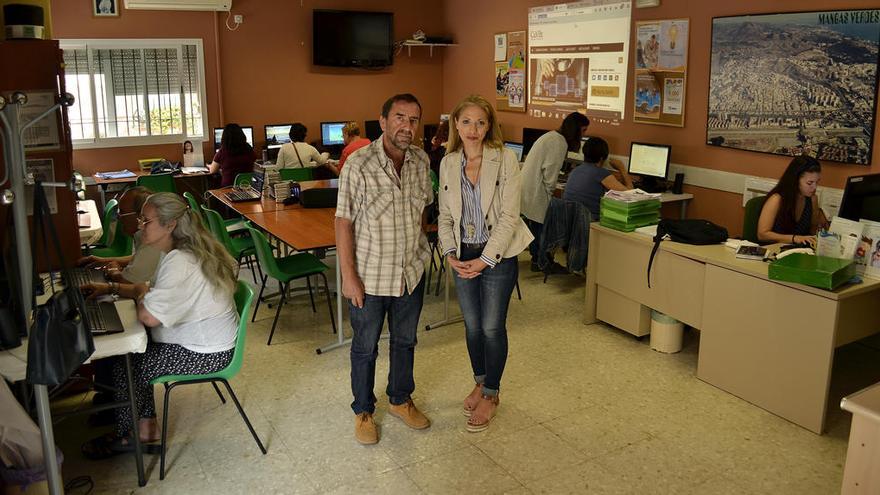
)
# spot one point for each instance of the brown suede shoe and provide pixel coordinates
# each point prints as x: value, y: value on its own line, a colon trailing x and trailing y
x: 410, y: 415
x: 365, y: 430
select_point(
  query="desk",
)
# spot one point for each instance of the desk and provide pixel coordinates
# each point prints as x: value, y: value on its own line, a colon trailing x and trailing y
x: 94, y: 230
x: 666, y: 197
x: 103, y: 184
x: 301, y: 228
x: 13, y: 362
x: 768, y: 342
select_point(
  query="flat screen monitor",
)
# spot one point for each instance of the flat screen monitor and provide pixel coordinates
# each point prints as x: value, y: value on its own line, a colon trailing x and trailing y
x: 529, y: 136
x: 352, y: 39
x: 650, y: 160
x: 276, y: 135
x: 517, y: 149
x: 372, y: 129
x: 861, y: 198
x: 248, y: 136
x: 331, y: 133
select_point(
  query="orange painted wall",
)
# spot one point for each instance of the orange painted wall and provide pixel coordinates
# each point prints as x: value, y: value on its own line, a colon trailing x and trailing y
x: 266, y: 75
x: 468, y: 69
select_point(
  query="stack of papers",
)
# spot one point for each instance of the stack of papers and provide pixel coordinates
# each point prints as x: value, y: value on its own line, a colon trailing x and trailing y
x: 632, y: 196
x: 193, y: 170
x: 121, y: 174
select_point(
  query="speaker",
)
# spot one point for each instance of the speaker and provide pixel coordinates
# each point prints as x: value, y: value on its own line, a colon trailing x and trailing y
x: 319, y: 197
x: 677, y: 185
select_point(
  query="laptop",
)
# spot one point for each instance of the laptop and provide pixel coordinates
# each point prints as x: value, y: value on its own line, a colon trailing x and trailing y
x: 102, y: 317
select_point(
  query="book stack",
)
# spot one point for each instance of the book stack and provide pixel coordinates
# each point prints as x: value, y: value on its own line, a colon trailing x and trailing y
x: 280, y: 190
x: 628, y: 210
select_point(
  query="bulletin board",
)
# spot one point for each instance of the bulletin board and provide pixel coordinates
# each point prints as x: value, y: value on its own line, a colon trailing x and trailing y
x: 661, y: 72
x: 510, y: 71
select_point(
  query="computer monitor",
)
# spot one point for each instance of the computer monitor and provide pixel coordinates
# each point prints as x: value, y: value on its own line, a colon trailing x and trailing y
x: 276, y: 135
x: 248, y: 136
x: 372, y: 129
x: 517, y: 148
x: 331, y: 133
x: 529, y: 136
x: 651, y: 161
x: 861, y: 198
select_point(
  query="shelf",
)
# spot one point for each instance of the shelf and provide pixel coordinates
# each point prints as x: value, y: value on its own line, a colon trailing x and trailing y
x: 409, y: 44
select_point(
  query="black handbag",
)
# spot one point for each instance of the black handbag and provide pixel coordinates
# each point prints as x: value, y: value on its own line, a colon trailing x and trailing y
x: 60, y: 340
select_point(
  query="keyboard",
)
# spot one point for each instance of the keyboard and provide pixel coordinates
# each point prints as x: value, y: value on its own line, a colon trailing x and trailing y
x: 82, y: 276
x: 238, y: 195
x: 103, y: 318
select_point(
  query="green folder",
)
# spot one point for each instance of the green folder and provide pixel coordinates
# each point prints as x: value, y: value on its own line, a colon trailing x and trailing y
x: 816, y: 271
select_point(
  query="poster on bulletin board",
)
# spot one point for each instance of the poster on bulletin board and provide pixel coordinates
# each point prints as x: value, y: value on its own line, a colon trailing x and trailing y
x: 510, y: 71
x: 661, y: 72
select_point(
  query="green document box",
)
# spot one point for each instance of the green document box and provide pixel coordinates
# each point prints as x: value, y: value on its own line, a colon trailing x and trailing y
x: 816, y: 271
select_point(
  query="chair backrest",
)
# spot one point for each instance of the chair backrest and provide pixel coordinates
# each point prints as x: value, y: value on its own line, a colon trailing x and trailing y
x: 122, y: 242
x: 215, y: 225
x: 296, y: 174
x: 264, y: 253
x: 435, y: 182
x: 107, y: 220
x: 158, y: 182
x: 194, y: 204
x: 750, y: 218
x: 243, y: 179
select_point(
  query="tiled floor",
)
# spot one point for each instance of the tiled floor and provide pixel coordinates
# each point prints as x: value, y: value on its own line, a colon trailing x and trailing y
x: 584, y: 409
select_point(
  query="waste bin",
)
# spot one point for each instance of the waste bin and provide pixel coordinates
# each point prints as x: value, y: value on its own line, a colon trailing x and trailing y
x: 666, y: 333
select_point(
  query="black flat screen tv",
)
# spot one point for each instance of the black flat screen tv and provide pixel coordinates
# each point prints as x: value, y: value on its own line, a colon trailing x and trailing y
x: 343, y: 38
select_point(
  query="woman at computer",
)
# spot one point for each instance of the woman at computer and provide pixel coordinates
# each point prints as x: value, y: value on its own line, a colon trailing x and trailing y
x: 481, y: 235
x: 438, y: 146
x: 588, y: 182
x: 197, y: 337
x: 791, y: 213
x: 297, y: 153
x: 540, y: 173
x: 352, y: 141
x: 235, y: 156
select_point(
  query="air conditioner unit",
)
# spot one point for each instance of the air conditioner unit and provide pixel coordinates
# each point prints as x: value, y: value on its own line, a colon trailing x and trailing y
x: 211, y: 5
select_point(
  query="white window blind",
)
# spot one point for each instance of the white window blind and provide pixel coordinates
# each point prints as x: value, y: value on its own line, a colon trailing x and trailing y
x: 134, y: 92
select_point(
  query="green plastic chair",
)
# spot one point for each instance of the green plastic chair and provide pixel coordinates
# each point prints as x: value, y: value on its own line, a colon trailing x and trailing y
x: 241, y: 248
x: 296, y: 174
x: 284, y: 270
x: 750, y: 219
x: 243, y: 179
x: 244, y: 296
x: 435, y: 182
x: 233, y: 225
x: 121, y: 243
x: 158, y: 183
x: 109, y: 216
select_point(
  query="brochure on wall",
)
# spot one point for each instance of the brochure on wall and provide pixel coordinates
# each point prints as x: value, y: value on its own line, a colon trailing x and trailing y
x: 661, y: 71
x: 44, y: 170
x: 43, y: 135
x: 510, y: 72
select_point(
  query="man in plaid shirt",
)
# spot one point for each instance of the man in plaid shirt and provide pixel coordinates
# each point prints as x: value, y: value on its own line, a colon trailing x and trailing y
x: 382, y: 250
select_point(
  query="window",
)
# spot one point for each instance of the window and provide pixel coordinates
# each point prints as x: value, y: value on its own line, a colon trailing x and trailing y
x: 134, y: 92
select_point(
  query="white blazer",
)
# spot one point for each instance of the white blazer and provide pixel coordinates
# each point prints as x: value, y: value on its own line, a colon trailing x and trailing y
x: 499, y: 201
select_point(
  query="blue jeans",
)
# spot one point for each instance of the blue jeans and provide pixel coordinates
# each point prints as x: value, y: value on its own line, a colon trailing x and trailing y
x: 484, y: 301
x: 535, y: 247
x: 366, y: 323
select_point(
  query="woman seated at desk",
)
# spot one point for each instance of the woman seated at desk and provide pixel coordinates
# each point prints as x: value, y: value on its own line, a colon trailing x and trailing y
x: 197, y: 337
x: 235, y: 156
x: 588, y: 182
x: 791, y: 213
x: 297, y: 153
x: 352, y: 140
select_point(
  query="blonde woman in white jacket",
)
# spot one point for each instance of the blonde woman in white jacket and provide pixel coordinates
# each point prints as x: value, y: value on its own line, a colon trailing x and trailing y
x: 481, y: 234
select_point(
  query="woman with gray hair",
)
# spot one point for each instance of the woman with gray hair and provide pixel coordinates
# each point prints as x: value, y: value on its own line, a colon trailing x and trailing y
x: 189, y: 310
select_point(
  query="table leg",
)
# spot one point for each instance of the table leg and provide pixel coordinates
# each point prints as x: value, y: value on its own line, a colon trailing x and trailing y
x: 446, y: 319
x: 103, y: 189
x: 341, y: 341
x: 135, y: 432
x: 683, y: 208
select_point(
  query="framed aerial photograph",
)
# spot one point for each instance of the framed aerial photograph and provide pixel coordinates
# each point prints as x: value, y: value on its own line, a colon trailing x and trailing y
x: 796, y: 83
x: 105, y: 8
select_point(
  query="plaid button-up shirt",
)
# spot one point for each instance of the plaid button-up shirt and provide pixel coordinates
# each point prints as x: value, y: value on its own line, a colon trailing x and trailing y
x: 390, y: 247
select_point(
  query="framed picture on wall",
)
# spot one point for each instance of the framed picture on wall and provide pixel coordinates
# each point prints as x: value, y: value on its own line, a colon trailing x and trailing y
x: 795, y: 83
x: 105, y: 8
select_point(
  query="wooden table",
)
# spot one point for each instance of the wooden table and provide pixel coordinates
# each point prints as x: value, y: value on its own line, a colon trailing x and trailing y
x: 90, y: 228
x: 103, y: 184
x: 768, y: 342
x: 303, y: 229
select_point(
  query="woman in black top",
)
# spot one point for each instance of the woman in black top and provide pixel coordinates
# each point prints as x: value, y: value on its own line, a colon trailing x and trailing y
x: 791, y: 212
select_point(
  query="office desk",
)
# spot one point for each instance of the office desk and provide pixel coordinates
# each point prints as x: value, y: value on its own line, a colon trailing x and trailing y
x: 103, y: 184
x: 91, y: 233
x: 13, y: 362
x: 301, y: 228
x: 768, y: 342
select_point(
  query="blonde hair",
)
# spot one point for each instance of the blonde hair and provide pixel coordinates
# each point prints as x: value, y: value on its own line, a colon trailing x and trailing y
x: 493, y: 137
x: 351, y: 129
x: 191, y: 236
